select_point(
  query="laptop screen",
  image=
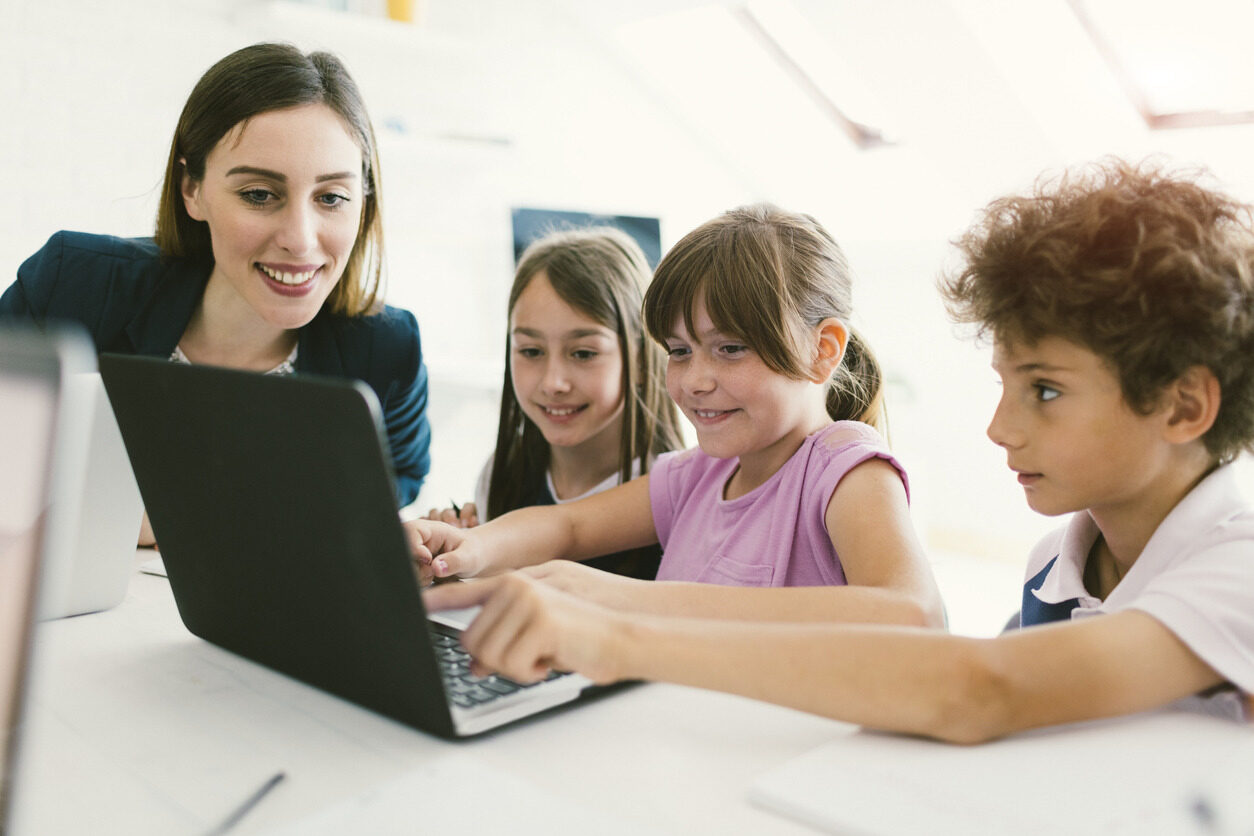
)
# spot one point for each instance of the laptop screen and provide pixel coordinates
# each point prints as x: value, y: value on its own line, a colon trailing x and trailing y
x: 29, y: 385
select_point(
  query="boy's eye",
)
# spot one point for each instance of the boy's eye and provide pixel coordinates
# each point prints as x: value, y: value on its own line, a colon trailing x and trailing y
x: 733, y: 349
x: 677, y: 351
x: 1045, y: 392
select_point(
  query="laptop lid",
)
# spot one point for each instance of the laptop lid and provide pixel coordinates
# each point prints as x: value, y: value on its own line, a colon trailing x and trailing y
x: 272, y: 501
x: 94, y: 486
x: 31, y: 372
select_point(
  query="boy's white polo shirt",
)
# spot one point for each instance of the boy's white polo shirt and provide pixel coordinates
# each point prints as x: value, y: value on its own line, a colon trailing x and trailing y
x: 1195, y: 575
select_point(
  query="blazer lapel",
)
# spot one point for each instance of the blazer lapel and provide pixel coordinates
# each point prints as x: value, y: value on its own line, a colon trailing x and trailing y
x: 157, y: 327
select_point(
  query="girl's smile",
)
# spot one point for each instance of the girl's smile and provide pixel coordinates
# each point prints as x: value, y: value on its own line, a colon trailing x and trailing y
x: 710, y: 417
x: 566, y: 369
x: 561, y: 414
x: 738, y: 405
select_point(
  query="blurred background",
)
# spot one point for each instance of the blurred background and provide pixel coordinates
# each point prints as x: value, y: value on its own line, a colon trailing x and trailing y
x: 892, y: 121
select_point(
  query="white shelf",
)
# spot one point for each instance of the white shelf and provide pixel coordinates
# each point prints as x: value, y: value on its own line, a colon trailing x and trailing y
x: 288, y: 20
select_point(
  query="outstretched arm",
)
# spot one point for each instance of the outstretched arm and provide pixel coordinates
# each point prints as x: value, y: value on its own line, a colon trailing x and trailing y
x: 893, y: 678
x: 869, y: 523
x: 614, y: 520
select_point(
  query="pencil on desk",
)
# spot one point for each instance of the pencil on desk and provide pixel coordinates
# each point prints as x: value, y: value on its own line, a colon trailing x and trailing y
x: 249, y: 803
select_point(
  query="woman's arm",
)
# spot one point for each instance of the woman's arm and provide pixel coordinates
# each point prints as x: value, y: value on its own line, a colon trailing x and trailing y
x: 613, y: 520
x: 409, y: 435
x: 889, y: 580
x: 893, y: 678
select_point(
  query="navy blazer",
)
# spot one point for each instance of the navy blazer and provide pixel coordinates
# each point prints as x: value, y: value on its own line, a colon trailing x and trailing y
x: 133, y: 301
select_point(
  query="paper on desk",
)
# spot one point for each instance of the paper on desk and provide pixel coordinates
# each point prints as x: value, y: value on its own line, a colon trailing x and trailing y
x: 457, y: 793
x: 1132, y: 775
x: 457, y: 619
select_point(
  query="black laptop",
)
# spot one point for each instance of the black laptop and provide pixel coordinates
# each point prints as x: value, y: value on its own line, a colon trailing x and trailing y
x: 272, y: 501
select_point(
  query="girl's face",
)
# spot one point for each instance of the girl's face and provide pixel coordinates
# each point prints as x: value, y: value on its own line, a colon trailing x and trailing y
x: 566, y: 368
x: 282, y: 195
x: 738, y: 405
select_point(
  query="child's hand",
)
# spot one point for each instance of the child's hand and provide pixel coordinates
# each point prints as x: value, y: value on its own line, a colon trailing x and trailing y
x: 441, y: 550
x: 593, y: 585
x: 147, y: 540
x: 465, y: 517
x: 527, y: 628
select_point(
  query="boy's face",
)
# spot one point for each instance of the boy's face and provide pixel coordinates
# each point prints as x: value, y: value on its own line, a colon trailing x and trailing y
x: 1068, y: 433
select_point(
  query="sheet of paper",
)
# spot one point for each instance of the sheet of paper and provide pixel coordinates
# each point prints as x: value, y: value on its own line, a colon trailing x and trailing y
x: 1135, y: 775
x: 457, y: 793
x: 457, y: 619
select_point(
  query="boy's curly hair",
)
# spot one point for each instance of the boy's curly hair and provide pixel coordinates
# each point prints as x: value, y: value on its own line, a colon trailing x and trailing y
x: 1148, y: 269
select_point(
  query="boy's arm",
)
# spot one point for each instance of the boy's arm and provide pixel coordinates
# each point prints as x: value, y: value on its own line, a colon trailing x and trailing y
x: 954, y: 688
x: 613, y: 520
x: 888, y: 574
x: 894, y: 678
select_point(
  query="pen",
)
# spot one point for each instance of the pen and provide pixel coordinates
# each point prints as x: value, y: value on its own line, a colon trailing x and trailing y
x: 249, y: 803
x: 457, y: 509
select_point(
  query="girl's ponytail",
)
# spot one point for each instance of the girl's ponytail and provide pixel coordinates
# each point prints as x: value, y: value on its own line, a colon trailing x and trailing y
x: 856, y: 391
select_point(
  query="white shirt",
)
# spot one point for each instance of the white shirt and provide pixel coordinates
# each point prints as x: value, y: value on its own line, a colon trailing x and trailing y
x: 485, y: 477
x: 1195, y: 575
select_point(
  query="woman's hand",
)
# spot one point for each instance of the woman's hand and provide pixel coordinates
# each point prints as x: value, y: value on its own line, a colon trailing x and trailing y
x: 441, y: 550
x: 467, y: 516
x: 527, y: 628
x: 593, y: 585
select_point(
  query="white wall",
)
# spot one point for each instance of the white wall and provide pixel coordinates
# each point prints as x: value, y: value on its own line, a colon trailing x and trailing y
x: 556, y: 103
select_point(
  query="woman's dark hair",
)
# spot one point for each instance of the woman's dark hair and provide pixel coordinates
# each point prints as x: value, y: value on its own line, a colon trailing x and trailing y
x: 258, y: 79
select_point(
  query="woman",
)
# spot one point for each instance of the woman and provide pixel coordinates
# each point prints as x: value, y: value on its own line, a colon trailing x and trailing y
x: 268, y: 248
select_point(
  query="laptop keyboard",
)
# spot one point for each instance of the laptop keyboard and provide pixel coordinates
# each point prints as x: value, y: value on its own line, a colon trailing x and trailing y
x: 465, y: 689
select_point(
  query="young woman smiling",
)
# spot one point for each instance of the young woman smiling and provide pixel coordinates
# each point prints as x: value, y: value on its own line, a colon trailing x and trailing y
x: 268, y: 247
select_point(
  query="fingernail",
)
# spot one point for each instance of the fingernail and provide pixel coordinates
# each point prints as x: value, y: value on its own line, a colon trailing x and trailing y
x: 441, y: 566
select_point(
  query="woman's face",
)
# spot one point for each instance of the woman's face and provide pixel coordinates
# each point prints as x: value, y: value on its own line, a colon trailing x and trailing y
x: 282, y: 195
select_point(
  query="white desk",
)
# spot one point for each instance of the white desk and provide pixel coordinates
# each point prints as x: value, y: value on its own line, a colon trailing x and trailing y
x: 136, y: 726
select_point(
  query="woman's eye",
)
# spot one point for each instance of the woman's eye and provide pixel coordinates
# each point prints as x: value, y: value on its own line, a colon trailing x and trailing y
x: 257, y: 197
x: 733, y: 349
x: 1044, y: 392
x: 677, y: 351
x: 583, y: 354
x: 529, y: 352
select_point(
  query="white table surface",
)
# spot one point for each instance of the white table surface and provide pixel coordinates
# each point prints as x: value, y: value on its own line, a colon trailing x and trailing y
x: 135, y: 726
